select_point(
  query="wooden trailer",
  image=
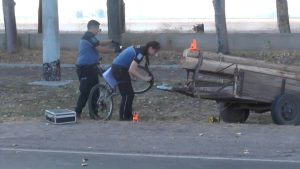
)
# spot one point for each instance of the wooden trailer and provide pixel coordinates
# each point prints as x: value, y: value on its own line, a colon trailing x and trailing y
x: 241, y: 85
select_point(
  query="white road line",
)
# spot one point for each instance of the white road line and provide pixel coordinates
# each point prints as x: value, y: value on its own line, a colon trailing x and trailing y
x: 145, y: 155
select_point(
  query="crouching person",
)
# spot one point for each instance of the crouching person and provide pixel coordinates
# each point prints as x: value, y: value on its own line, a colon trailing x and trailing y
x: 124, y: 66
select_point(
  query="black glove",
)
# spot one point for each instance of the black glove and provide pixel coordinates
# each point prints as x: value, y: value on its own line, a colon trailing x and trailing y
x: 116, y: 46
x: 115, y: 43
x: 118, y: 49
x: 152, y: 78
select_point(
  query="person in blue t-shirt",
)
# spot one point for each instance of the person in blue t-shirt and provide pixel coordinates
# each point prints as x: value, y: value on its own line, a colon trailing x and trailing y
x: 88, y: 58
x: 124, y: 66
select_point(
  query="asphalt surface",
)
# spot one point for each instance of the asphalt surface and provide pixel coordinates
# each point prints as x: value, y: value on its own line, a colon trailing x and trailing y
x: 37, y: 144
x: 29, y: 159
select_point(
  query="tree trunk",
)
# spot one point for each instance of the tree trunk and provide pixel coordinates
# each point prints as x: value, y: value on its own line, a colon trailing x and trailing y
x: 40, y: 17
x: 221, y: 29
x: 283, y: 16
x: 114, y: 17
x: 51, y: 44
x: 10, y: 25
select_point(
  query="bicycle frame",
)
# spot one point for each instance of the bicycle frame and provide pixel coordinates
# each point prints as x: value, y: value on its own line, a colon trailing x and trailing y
x: 101, y: 71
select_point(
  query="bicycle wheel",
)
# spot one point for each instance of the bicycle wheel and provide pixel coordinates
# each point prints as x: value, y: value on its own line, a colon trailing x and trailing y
x: 140, y: 86
x: 100, y: 102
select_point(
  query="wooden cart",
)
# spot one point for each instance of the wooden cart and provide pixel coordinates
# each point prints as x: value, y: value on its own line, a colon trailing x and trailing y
x: 241, y: 88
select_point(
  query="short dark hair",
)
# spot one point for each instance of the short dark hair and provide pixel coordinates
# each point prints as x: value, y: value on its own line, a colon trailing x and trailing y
x: 93, y: 24
x: 154, y: 44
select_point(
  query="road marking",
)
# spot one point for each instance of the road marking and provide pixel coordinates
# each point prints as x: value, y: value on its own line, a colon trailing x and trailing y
x: 145, y: 155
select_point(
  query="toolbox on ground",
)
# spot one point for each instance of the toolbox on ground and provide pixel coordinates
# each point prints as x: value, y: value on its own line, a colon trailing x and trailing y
x: 60, y: 116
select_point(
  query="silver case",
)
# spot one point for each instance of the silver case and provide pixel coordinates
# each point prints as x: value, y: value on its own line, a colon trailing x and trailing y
x: 56, y: 114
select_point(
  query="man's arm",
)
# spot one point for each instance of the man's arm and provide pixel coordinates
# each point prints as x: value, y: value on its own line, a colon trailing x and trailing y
x: 133, y: 70
x: 104, y: 50
x: 97, y: 45
x: 105, y: 42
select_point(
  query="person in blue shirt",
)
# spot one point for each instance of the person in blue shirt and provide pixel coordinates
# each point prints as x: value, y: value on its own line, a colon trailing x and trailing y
x: 124, y: 66
x: 86, y: 64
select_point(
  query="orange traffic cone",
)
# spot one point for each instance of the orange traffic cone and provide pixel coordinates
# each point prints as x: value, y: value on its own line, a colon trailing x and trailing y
x: 135, y: 117
x: 194, y: 45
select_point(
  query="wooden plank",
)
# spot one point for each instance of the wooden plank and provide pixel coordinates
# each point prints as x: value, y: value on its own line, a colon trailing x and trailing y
x: 190, y: 59
x: 191, y: 62
x: 218, y: 89
x: 264, y: 87
x: 213, y: 78
x: 228, y: 68
x: 249, y: 62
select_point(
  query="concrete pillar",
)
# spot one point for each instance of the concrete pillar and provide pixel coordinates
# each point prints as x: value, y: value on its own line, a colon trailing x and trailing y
x: 51, y: 44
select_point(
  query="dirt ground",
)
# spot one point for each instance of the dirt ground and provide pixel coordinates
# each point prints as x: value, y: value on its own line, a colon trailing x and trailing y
x: 21, y: 101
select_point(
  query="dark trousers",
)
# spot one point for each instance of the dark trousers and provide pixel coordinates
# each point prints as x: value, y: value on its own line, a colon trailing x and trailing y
x: 125, y: 87
x: 88, y: 78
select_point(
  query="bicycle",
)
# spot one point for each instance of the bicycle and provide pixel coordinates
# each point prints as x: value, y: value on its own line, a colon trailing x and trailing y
x: 104, y: 93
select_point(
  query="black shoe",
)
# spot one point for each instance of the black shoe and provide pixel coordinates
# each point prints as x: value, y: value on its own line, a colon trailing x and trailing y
x: 95, y: 116
x: 78, y: 115
x: 128, y: 118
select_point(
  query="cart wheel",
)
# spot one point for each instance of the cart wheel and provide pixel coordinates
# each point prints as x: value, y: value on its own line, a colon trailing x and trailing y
x: 230, y: 113
x: 286, y: 110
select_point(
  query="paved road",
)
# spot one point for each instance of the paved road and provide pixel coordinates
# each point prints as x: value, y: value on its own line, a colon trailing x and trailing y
x: 49, y: 159
x: 113, y: 144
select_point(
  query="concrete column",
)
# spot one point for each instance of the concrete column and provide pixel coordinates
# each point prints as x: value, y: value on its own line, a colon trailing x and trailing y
x: 51, y: 44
